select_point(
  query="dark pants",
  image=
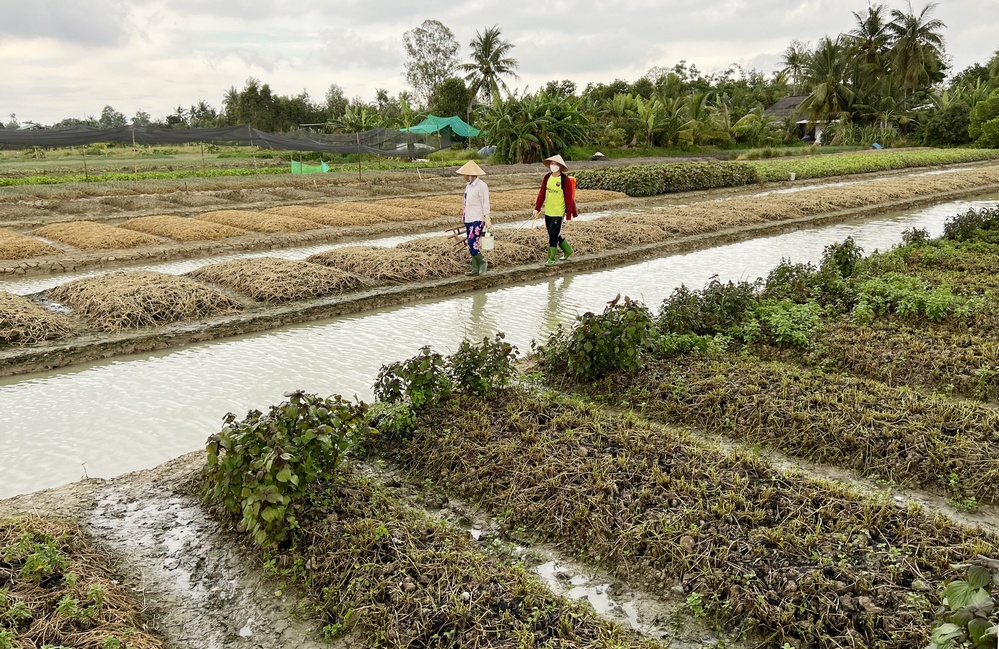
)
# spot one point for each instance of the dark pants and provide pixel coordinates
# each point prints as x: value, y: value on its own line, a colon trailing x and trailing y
x: 554, y: 226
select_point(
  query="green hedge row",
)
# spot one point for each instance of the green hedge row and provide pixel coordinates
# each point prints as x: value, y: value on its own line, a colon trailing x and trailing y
x: 651, y: 180
x: 142, y: 175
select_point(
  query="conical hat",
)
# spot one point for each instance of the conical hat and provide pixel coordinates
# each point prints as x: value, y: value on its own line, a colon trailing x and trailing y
x: 470, y: 169
x: 557, y: 159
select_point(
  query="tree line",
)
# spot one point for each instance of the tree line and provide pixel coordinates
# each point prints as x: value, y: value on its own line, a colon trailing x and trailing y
x: 886, y: 80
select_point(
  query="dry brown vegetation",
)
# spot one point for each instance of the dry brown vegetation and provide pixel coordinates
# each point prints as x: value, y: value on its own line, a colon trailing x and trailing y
x: 382, y: 264
x: 258, y: 221
x: 267, y: 279
x: 62, y: 591
x: 14, y: 245
x: 327, y: 216
x: 22, y: 322
x: 88, y: 235
x: 387, y: 212
x: 180, y: 228
x: 127, y: 300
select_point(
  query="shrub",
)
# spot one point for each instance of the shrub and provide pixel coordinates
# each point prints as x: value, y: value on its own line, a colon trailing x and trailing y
x: 483, y: 369
x: 260, y: 468
x: 716, y: 308
x: 970, y: 225
x: 802, y: 283
x: 842, y: 257
x: 421, y: 380
x: 599, y: 344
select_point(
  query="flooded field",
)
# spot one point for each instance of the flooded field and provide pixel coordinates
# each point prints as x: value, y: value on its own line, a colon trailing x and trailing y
x: 108, y: 418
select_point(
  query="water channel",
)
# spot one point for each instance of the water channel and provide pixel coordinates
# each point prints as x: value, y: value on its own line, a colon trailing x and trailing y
x: 107, y: 418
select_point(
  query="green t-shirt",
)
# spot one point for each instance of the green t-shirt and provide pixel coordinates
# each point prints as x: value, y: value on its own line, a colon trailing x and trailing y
x: 555, y: 196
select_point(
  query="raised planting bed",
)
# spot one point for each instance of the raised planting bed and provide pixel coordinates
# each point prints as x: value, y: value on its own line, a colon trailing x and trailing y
x: 180, y: 228
x: 894, y: 434
x: 767, y: 552
x: 22, y: 322
x: 14, y: 245
x: 88, y: 235
x: 127, y: 300
x: 267, y: 279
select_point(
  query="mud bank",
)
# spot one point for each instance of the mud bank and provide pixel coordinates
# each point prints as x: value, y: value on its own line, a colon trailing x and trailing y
x: 92, y: 347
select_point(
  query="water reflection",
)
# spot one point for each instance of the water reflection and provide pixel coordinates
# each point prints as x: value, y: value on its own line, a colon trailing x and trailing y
x: 135, y: 412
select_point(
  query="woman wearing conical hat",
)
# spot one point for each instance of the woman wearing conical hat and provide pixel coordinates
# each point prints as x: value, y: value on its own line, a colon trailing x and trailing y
x: 475, y: 213
x: 558, y: 198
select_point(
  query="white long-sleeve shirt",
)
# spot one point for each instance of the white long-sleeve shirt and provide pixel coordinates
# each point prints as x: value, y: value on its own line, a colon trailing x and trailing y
x: 476, y: 201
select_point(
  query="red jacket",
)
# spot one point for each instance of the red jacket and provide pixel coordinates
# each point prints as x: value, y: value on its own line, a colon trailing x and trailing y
x: 568, y: 188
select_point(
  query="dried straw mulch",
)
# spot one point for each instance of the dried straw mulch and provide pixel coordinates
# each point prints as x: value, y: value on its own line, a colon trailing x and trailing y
x: 388, y: 212
x: 70, y: 596
x: 267, y: 279
x: 258, y: 221
x: 180, y: 228
x: 384, y: 264
x: 88, y: 235
x: 22, y: 322
x: 127, y: 300
x: 327, y: 216
x: 14, y: 245
x: 455, y: 258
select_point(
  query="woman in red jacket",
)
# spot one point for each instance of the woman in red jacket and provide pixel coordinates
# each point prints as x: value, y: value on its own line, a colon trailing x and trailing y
x: 558, y: 197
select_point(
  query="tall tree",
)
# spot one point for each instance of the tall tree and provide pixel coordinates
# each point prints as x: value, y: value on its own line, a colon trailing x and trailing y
x: 793, y: 59
x: 871, y: 38
x: 110, y: 118
x: 432, y: 56
x: 490, y: 63
x: 918, y: 46
x: 827, y: 74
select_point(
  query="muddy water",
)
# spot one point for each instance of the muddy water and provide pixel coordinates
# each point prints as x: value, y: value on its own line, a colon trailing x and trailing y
x: 107, y: 418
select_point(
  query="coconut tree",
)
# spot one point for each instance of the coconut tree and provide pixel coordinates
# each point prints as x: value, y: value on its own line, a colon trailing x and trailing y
x: 918, y: 46
x: 826, y: 73
x: 793, y: 59
x: 871, y: 39
x: 490, y: 63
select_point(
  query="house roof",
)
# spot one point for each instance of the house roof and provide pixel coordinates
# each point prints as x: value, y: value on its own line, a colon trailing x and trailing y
x: 786, y: 107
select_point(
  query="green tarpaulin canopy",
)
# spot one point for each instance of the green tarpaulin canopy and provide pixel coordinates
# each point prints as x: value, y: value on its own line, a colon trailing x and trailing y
x: 433, y: 124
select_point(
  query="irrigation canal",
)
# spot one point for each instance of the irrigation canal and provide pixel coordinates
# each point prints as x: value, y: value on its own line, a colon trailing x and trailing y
x: 111, y: 417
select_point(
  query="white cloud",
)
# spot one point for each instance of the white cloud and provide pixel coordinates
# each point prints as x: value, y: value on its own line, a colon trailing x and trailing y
x: 62, y: 59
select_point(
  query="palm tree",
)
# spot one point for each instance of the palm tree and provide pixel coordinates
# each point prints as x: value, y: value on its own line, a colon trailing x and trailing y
x: 703, y: 124
x: 871, y: 39
x: 793, y: 59
x: 918, y: 48
x: 826, y: 73
x: 490, y: 63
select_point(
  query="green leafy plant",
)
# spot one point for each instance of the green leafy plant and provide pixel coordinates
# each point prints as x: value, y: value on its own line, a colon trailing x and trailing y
x: 600, y: 343
x: 259, y: 468
x: 482, y: 369
x: 421, y: 380
x: 842, y: 257
x: 971, y: 225
x: 714, y: 309
x: 968, y: 615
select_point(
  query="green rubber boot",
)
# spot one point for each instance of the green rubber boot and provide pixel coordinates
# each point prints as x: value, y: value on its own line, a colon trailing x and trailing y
x: 566, y: 250
x: 551, y: 256
x: 482, y: 263
x: 475, y: 266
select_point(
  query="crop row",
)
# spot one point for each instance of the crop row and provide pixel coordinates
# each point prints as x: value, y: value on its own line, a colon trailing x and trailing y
x: 768, y: 552
x: 651, y: 180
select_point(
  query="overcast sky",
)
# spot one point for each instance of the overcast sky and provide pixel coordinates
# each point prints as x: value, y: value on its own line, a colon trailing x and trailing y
x: 62, y: 58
